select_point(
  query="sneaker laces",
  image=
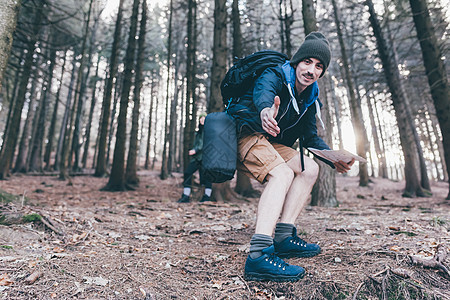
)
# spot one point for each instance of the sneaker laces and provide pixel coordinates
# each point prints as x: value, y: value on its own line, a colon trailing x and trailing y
x: 276, y: 261
x: 299, y: 241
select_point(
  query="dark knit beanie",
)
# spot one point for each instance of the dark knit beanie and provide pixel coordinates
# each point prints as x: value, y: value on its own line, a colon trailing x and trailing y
x: 316, y: 46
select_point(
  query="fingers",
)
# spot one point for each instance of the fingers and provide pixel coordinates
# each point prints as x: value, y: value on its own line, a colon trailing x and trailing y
x: 276, y: 106
x: 343, y: 167
x: 268, y: 114
x: 269, y: 124
x: 351, y: 162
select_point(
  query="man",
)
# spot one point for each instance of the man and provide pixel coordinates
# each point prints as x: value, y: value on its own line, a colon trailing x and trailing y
x: 194, y: 165
x: 277, y: 111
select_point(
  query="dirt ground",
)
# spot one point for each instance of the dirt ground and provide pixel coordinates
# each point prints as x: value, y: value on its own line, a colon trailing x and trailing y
x: 141, y: 244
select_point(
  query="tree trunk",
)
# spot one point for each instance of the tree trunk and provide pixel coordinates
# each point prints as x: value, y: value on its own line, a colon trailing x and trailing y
x: 11, y: 101
x: 80, y: 90
x: 164, y: 170
x: 100, y: 169
x: 324, y: 190
x: 191, y: 83
x: 219, y: 62
x: 309, y: 16
x: 112, y: 127
x: 117, y: 178
x: 131, y: 171
x: 399, y: 100
x: 337, y: 112
x: 51, y: 131
x: 24, y: 144
x: 221, y: 191
x: 8, y: 20
x: 149, y: 132
x: 244, y: 186
x: 288, y: 21
x: 36, y: 150
x: 424, y: 181
x: 173, y: 120
x: 64, y: 161
x: 381, y: 157
x: 11, y: 139
x: 280, y: 17
x: 91, y: 115
x: 435, y: 70
x: 437, y: 133
x: 355, y: 106
x: 65, y: 119
x: 237, y: 33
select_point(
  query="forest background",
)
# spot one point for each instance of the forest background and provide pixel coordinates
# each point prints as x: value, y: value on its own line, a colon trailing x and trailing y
x: 109, y: 88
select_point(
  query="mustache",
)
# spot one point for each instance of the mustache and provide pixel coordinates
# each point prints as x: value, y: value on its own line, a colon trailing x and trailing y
x: 308, y: 74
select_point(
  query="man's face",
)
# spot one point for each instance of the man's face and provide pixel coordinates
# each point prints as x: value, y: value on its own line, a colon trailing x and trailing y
x: 307, y: 72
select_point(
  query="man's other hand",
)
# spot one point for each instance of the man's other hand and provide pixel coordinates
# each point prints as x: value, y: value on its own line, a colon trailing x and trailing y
x: 192, y: 152
x: 343, y: 167
x: 268, y: 114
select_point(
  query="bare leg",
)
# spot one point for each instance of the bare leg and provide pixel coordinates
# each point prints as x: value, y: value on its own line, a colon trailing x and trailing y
x: 300, y: 189
x: 272, y: 198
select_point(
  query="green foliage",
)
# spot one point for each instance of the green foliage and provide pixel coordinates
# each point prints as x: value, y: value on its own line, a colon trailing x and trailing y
x: 32, y: 218
x: 6, y: 247
x: 7, y: 197
x: 408, y: 233
x: 438, y: 221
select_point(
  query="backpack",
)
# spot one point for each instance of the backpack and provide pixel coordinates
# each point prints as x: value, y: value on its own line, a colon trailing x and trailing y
x: 219, y: 147
x: 244, y: 72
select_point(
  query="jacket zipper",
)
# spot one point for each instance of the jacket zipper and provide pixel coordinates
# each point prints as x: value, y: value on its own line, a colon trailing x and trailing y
x: 281, y: 134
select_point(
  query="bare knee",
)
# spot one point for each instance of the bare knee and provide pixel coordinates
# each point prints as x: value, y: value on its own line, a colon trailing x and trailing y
x: 311, y: 170
x: 283, y: 174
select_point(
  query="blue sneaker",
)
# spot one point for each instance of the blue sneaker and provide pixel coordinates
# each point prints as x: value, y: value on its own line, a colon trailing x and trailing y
x: 295, y: 247
x: 270, y: 267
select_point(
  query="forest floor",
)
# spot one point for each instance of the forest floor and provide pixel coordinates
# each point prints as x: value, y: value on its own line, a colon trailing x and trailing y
x: 142, y: 244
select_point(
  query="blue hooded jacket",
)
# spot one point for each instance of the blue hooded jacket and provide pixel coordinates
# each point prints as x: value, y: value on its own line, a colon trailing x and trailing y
x: 296, y: 115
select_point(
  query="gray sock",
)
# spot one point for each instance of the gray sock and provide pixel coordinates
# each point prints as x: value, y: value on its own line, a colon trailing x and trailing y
x: 283, y: 231
x: 258, y: 243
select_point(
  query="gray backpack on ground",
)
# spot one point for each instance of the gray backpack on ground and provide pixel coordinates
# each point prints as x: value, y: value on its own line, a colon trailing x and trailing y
x: 219, y: 147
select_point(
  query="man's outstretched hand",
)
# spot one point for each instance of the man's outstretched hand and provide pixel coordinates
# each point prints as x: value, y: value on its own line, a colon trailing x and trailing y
x: 268, y: 114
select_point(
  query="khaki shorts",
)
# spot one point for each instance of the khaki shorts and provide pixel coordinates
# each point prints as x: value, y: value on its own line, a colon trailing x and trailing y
x: 258, y: 156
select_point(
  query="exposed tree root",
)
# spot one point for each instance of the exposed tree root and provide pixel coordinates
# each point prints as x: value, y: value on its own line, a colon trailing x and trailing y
x: 435, y: 263
x: 222, y: 192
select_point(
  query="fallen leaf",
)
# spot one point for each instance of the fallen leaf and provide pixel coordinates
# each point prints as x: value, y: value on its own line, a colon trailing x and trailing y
x: 58, y: 250
x: 114, y: 235
x: 5, y: 280
x: 217, y: 284
x: 96, y: 280
x: 33, y: 277
x: 396, y: 228
x: 33, y: 263
x: 142, y: 237
x: 219, y: 228
x: 78, y: 237
x: 401, y: 272
x: 395, y: 248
